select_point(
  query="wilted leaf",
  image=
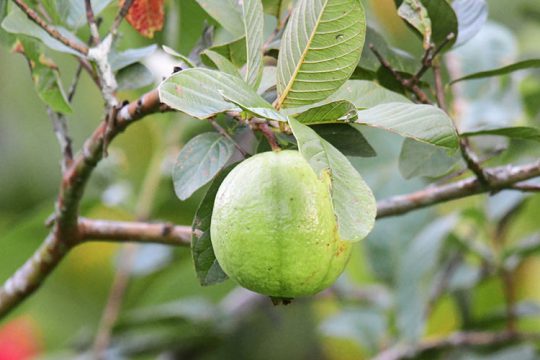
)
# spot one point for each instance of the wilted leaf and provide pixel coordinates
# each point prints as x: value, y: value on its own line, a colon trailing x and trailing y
x: 44, y: 75
x: 146, y: 16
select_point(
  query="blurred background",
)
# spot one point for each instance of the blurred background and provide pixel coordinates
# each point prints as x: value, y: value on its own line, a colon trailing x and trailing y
x: 386, y: 294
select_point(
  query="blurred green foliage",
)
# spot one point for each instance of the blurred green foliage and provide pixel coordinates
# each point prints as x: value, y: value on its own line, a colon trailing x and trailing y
x: 212, y: 322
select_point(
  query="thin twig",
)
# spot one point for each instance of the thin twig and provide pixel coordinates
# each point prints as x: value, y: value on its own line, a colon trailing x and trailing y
x: 269, y: 135
x: 32, y: 15
x: 406, y: 83
x: 439, y: 86
x: 92, y: 22
x: 224, y: 133
x: 527, y: 187
x: 61, y: 131
x: 120, y: 16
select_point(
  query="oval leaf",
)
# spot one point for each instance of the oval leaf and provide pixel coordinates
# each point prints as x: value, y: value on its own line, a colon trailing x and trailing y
x: 354, y: 203
x: 207, y: 267
x: 253, y: 17
x: 522, y: 65
x: 203, y: 93
x: 199, y: 161
x: 319, y: 50
x: 423, y: 123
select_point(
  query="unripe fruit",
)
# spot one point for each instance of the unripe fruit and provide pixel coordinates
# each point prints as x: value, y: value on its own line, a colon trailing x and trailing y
x: 273, y: 227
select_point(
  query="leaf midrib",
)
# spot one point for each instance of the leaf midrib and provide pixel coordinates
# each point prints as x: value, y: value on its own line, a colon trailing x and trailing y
x: 301, y: 60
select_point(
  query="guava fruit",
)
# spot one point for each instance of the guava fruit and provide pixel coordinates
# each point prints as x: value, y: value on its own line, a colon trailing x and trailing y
x: 273, y: 227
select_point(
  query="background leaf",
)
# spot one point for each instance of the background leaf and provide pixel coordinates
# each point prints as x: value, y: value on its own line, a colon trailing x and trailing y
x: 199, y: 161
x: 516, y: 132
x: 471, y: 16
x: 320, y: 48
x: 227, y: 13
x: 18, y: 23
x: 73, y: 13
x: 526, y: 64
x: 353, y: 200
x: 421, y: 159
x: 207, y: 267
x: 414, y: 276
x: 45, y: 75
x: 252, y: 11
x: 133, y: 77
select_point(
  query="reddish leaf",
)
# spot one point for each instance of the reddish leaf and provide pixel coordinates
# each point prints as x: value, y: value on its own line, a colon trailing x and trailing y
x: 146, y: 16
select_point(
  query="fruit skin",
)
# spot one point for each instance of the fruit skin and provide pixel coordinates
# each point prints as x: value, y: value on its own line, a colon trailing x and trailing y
x: 273, y: 227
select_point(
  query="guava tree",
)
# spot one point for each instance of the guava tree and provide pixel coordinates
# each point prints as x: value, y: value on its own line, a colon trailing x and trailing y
x: 303, y: 104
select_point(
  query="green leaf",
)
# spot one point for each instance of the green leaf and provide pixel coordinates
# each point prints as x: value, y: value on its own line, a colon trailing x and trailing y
x: 420, y: 159
x: 134, y: 76
x: 268, y: 79
x: 367, y: 94
x: 362, y: 94
x: 73, y: 13
x: 221, y: 62
x: 3, y: 9
x: 415, y: 274
x: 44, y: 75
x: 346, y: 138
x: 199, y: 161
x: 517, y: 132
x: 526, y: 64
x: 400, y: 60
x: 234, y: 50
x: 203, y: 93
x: 277, y: 8
x: 319, y: 50
x: 253, y: 19
x: 416, y: 15
x: 341, y: 110
x: 471, y: 16
x: 207, y: 267
x: 187, y: 62
x: 424, y: 123
x: 18, y: 23
x: 227, y: 13
x: 434, y: 20
x: 353, y: 200
x: 119, y: 60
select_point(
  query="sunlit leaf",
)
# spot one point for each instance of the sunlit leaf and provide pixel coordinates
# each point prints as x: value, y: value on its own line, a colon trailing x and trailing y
x: 203, y: 93
x: 319, y: 50
x: 253, y: 20
x: 353, y: 200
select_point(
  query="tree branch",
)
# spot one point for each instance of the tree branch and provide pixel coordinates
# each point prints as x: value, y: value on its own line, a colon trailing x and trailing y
x: 503, y: 177
x: 32, y: 15
x: 142, y: 232
x: 460, y: 339
x: 65, y: 233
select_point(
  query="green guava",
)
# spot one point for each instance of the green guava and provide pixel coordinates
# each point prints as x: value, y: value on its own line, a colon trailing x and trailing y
x: 273, y: 227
